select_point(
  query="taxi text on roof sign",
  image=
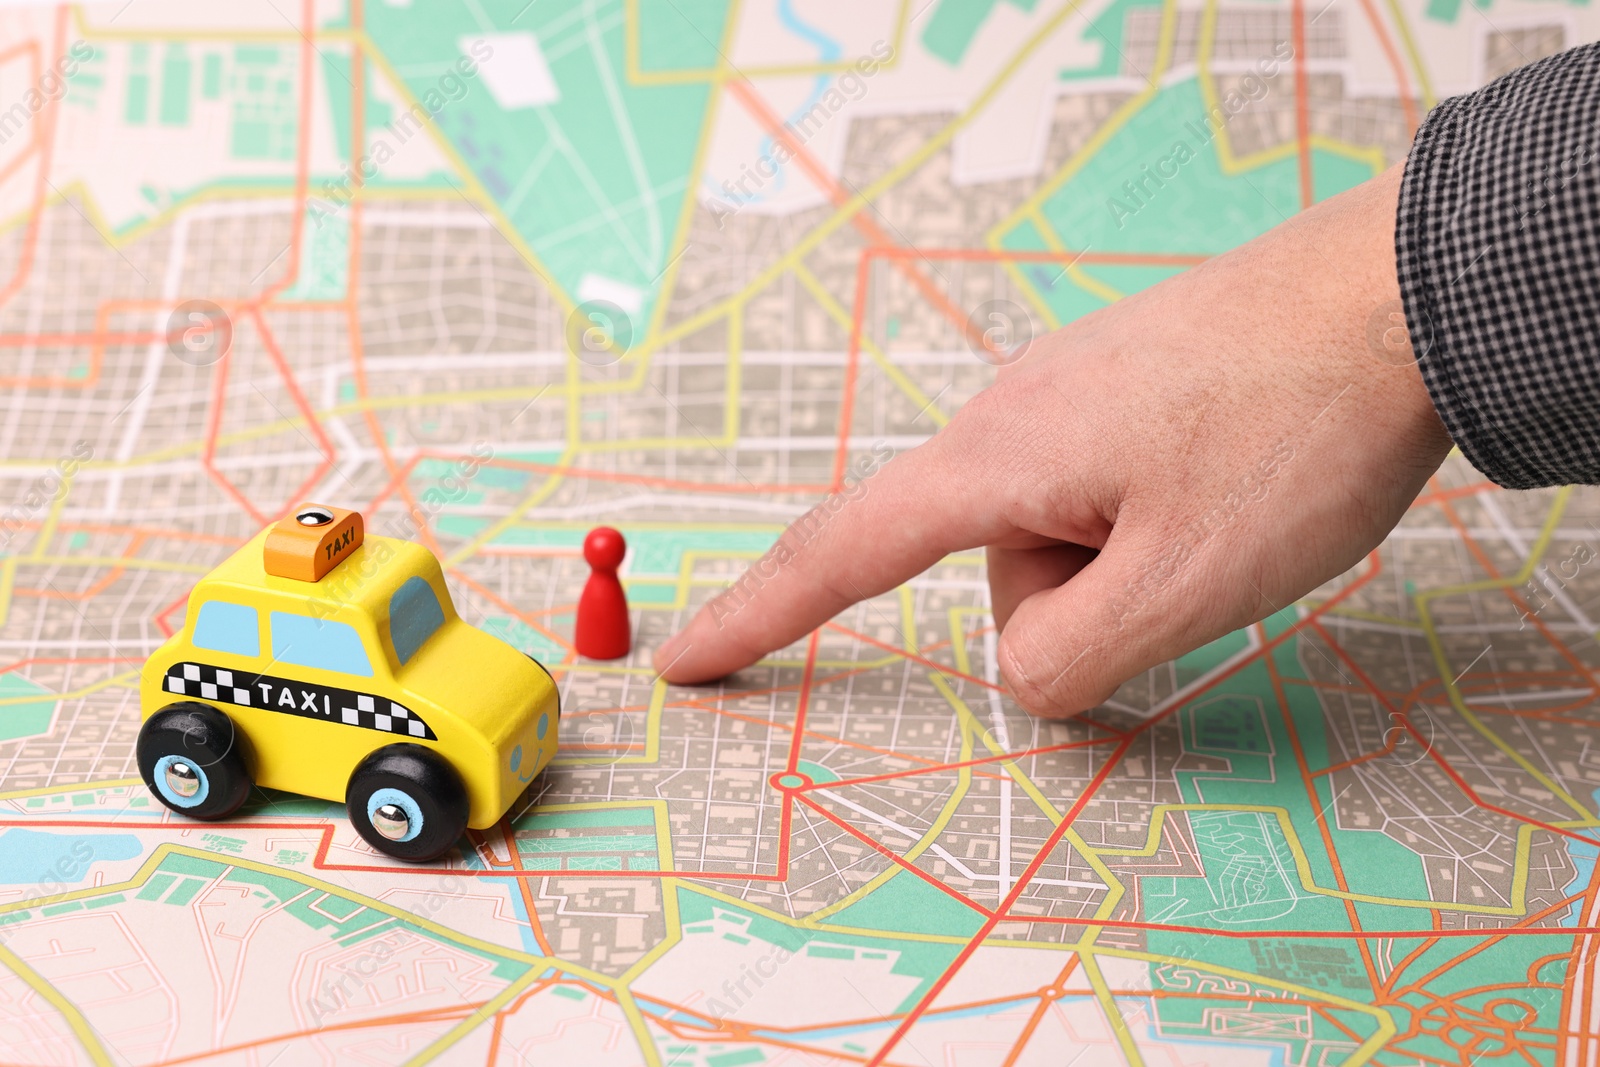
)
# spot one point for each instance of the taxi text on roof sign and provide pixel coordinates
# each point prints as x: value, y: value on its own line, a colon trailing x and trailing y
x: 311, y: 541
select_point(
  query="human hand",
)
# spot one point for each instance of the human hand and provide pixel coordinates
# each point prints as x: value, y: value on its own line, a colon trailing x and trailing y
x: 1147, y: 479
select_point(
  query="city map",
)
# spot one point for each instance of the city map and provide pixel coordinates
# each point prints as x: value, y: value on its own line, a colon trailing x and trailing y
x: 500, y: 271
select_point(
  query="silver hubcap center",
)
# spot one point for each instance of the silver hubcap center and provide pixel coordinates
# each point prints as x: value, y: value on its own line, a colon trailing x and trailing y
x: 391, y: 821
x: 183, y: 779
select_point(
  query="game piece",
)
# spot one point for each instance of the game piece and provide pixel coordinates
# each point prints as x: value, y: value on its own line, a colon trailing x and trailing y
x: 603, y: 630
x: 320, y: 661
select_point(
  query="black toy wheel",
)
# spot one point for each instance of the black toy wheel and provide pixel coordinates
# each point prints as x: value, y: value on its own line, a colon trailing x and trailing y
x: 195, y: 760
x: 407, y: 802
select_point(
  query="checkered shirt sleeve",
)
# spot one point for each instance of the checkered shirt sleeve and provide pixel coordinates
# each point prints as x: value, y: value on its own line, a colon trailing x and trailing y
x: 1498, y: 242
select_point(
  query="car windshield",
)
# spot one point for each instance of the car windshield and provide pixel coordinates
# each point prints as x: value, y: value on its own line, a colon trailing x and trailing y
x: 414, y: 614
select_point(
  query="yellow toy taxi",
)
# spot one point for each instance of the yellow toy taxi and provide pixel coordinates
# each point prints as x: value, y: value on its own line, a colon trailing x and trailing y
x: 320, y: 661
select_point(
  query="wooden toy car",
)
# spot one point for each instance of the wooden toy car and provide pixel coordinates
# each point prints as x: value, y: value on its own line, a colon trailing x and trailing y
x: 319, y: 661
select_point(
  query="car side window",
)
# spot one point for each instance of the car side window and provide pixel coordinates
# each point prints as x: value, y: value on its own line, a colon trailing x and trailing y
x: 225, y: 627
x: 414, y: 614
x: 321, y: 643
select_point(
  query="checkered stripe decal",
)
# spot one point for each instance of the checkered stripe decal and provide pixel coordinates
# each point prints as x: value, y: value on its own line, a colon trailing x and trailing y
x: 296, y: 698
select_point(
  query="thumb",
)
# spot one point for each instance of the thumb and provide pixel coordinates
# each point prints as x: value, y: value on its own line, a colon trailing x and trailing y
x: 1066, y: 649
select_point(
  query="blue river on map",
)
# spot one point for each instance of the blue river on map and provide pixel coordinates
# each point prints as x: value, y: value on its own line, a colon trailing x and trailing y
x: 828, y: 51
x: 35, y: 856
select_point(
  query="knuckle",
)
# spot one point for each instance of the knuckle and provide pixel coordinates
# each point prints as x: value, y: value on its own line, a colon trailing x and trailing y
x: 988, y: 416
x: 1028, y: 676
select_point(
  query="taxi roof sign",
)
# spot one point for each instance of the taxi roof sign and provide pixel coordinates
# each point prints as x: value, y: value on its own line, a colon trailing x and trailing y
x: 312, y: 540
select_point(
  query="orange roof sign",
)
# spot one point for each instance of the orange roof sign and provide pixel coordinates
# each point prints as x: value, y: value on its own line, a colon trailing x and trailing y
x: 311, y: 541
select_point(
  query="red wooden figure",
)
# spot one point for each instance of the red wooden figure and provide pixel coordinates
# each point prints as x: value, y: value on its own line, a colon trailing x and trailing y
x: 603, y: 630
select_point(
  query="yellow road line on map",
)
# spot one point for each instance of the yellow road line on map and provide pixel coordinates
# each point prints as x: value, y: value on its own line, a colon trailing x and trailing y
x: 1363, y: 1053
x: 8, y: 573
x: 863, y: 198
x: 908, y: 619
x: 125, y: 562
x: 484, y: 1012
x: 839, y: 315
x: 1107, y: 1001
x: 1101, y: 137
x: 1233, y: 165
x: 353, y: 407
x: 121, y: 238
x: 792, y: 256
x: 574, y: 424
x: 47, y: 530
x: 967, y: 716
x: 116, y: 681
x: 157, y: 855
x: 1357, y: 613
x: 625, y: 1000
x: 223, y: 34
x: 697, y: 166
x: 947, y: 812
x: 480, y: 197
x: 1302, y: 862
x: 734, y: 370
x: 75, y: 1019
x: 537, y: 965
x: 652, y: 736
x: 958, y: 635
x: 1535, y: 554
x: 1114, y: 887
x: 60, y: 790
x: 810, y: 926
x: 1077, y: 274
x: 1419, y: 68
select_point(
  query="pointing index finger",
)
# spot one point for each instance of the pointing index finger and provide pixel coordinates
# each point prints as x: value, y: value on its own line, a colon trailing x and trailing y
x: 856, y: 544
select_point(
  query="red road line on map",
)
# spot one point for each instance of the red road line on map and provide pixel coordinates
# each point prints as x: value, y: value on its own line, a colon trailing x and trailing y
x: 507, y: 606
x: 1056, y: 834
x: 352, y: 313
x: 302, y: 167
x: 1309, y: 782
x: 1317, y: 935
x: 1302, y: 101
x: 326, y: 829
x: 1516, y: 598
x: 219, y: 382
x: 915, y: 658
x: 1018, y: 255
x: 1458, y: 493
x: 707, y: 706
x: 1492, y: 938
x: 440, y: 1014
x: 852, y: 370
x: 515, y: 859
x: 1442, y: 763
x: 57, y: 661
x: 1580, y: 962
x: 803, y: 704
x: 45, y: 137
x: 819, y: 176
x: 161, y: 616
x: 1402, y: 84
x: 270, y: 343
x: 23, y: 340
x: 589, y: 473
x: 955, y: 965
x: 912, y: 772
x: 95, y: 588
x: 892, y: 856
